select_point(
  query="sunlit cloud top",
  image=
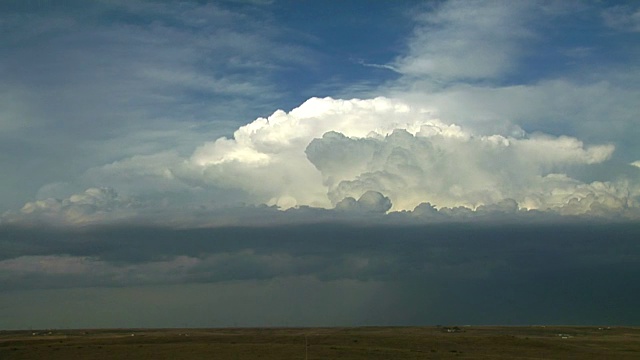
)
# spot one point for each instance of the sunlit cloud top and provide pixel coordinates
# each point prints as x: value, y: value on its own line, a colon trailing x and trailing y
x: 144, y: 112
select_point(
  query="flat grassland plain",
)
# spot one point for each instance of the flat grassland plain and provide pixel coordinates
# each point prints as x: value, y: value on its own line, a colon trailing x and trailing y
x: 467, y: 342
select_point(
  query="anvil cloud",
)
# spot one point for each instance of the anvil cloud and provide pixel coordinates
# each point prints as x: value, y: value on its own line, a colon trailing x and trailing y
x: 235, y: 163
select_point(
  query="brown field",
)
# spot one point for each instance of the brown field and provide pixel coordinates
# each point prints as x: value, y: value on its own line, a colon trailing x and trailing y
x: 468, y: 342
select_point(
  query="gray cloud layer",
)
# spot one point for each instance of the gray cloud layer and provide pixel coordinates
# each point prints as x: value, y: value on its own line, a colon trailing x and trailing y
x: 418, y: 274
x: 495, y: 179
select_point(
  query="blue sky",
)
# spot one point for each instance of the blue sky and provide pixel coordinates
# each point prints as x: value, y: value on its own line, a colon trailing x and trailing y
x: 136, y: 117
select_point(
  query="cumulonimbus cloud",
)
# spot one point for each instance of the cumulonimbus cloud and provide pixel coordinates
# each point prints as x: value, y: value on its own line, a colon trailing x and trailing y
x: 390, y: 156
x: 452, y: 148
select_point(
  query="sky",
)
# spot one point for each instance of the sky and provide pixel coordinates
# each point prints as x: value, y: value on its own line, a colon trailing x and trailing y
x: 318, y: 163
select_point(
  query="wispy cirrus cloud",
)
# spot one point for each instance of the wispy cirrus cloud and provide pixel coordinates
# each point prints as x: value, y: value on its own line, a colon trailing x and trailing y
x: 108, y: 80
x: 623, y: 17
x: 467, y: 41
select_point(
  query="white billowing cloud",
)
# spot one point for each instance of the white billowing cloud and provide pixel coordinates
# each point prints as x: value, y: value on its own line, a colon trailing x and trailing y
x: 93, y: 205
x: 267, y: 157
x: 369, y: 202
x: 454, y: 169
x: 560, y: 193
x: 327, y: 153
x: 466, y: 40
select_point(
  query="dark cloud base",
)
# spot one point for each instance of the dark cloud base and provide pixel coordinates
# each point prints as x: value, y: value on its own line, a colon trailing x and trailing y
x: 325, y: 275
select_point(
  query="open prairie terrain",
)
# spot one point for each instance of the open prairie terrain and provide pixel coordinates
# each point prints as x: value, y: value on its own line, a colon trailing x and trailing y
x: 467, y: 342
